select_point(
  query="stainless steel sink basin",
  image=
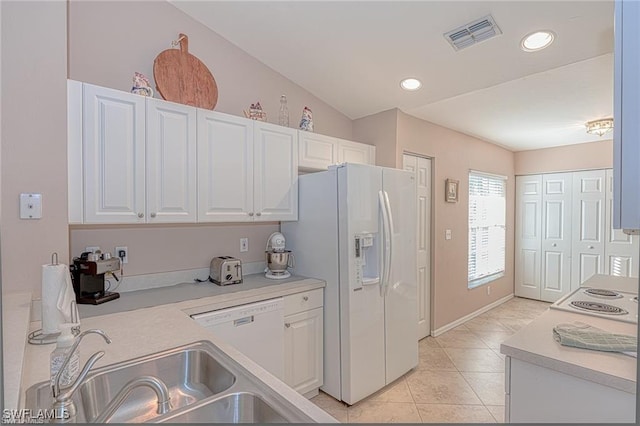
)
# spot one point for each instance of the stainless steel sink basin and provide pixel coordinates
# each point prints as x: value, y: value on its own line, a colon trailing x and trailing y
x: 239, y: 407
x: 190, y: 372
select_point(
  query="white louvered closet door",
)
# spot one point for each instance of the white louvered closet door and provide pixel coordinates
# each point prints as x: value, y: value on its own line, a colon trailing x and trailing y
x: 588, y: 226
x: 556, y: 236
x: 528, y: 236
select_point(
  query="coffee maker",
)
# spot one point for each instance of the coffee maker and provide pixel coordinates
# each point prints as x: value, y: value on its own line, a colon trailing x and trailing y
x: 88, y: 276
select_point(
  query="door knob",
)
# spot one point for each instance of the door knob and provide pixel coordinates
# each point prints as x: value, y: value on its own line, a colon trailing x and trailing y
x: 305, y: 298
x: 140, y: 215
x: 553, y: 245
x: 153, y: 215
x: 250, y: 213
x: 258, y: 214
x: 287, y: 325
x: 591, y: 247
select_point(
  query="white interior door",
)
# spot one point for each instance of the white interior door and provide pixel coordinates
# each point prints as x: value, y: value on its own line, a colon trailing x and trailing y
x: 621, y: 250
x: 588, y: 226
x: 556, y: 236
x: 528, y: 236
x: 421, y: 169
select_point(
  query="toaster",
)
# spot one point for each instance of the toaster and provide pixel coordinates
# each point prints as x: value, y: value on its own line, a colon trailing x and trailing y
x: 225, y: 270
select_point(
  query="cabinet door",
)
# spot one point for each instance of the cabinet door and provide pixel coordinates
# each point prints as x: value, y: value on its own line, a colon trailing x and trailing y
x: 74, y: 152
x: 303, y: 350
x: 621, y: 250
x: 626, y: 109
x: 276, y: 172
x: 354, y: 152
x: 316, y: 152
x: 171, y: 162
x: 556, y: 236
x: 225, y: 168
x: 528, y: 236
x: 588, y: 226
x: 113, y: 155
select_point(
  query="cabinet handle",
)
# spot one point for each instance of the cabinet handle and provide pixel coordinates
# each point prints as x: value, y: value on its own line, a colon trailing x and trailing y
x: 153, y: 215
x: 591, y: 247
x: 286, y: 324
x: 305, y: 298
x: 250, y: 213
x: 140, y: 215
x: 553, y: 245
x: 258, y: 214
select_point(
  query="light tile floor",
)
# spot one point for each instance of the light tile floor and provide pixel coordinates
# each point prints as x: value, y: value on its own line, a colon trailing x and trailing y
x: 459, y: 378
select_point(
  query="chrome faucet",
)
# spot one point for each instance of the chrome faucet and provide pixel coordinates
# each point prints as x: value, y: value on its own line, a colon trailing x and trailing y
x: 158, y: 386
x: 63, y: 407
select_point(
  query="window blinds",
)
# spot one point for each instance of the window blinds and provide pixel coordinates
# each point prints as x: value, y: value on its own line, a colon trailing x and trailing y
x: 487, y: 227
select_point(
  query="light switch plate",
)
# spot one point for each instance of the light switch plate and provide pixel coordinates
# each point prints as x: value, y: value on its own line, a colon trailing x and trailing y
x: 447, y: 234
x: 30, y: 206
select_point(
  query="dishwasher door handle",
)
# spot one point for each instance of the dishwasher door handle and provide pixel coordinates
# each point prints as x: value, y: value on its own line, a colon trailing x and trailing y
x: 243, y: 321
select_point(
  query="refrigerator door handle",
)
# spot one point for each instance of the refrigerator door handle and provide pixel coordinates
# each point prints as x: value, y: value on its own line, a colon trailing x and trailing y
x: 384, y: 274
x: 390, y: 234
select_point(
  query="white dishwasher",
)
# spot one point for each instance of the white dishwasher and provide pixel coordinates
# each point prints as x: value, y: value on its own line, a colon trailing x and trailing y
x: 256, y: 330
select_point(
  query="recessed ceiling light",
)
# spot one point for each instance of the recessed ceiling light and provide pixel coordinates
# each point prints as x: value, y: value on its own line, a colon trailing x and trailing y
x: 410, y: 84
x: 537, y: 41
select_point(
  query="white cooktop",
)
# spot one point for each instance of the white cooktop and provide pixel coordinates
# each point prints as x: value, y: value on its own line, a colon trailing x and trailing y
x: 604, y: 303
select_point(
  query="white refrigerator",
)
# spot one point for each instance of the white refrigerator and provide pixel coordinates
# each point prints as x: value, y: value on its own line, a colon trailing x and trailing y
x: 356, y: 230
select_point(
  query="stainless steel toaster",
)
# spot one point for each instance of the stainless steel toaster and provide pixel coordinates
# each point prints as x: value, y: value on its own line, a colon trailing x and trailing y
x: 225, y: 270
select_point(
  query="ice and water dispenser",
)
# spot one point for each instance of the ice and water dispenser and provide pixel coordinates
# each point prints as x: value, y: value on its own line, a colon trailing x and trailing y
x: 367, y: 255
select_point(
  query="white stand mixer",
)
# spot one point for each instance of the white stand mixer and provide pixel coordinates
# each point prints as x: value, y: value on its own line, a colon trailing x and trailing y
x: 278, y: 259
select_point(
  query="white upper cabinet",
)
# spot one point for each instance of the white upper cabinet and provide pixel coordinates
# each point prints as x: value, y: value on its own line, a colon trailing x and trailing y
x: 171, y: 162
x: 318, y: 152
x: 225, y: 168
x: 113, y: 156
x: 354, y: 152
x: 247, y: 170
x: 626, y: 109
x: 275, y: 172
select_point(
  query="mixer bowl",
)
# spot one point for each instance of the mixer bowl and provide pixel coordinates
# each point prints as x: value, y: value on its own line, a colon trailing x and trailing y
x: 278, y: 261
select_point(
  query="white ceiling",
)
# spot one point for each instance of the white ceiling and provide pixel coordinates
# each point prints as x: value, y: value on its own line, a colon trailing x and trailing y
x: 353, y: 54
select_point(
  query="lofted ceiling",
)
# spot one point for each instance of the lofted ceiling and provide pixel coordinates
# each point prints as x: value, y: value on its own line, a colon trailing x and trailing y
x: 353, y: 54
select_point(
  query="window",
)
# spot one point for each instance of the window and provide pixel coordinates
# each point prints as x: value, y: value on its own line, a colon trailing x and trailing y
x: 487, y: 227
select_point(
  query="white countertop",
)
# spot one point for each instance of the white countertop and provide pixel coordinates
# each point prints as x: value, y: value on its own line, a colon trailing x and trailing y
x: 149, y: 330
x: 535, y: 344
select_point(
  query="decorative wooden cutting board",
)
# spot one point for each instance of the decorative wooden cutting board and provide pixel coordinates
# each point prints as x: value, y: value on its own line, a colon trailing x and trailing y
x: 183, y: 78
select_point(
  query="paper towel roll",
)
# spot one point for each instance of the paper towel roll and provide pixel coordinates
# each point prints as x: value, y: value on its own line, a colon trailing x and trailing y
x: 57, y: 298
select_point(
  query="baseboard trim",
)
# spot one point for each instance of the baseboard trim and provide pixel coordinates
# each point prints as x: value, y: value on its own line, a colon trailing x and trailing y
x: 472, y: 315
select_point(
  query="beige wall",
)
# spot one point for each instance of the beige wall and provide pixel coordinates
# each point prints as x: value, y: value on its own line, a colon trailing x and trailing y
x: 164, y: 248
x: 380, y: 130
x: 110, y: 40
x: 34, y: 133
x: 584, y: 156
x: 454, y: 154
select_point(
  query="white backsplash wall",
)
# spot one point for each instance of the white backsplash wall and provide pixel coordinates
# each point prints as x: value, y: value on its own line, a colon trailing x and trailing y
x: 165, y: 248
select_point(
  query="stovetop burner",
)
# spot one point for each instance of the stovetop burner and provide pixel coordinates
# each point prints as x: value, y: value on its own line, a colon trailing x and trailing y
x: 602, y: 308
x: 605, y: 294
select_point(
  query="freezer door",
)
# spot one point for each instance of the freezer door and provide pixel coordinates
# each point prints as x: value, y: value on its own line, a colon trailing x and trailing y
x: 401, y: 291
x: 361, y: 303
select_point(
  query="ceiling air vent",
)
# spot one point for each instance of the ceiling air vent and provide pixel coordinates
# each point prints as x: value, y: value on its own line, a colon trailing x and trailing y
x: 474, y: 32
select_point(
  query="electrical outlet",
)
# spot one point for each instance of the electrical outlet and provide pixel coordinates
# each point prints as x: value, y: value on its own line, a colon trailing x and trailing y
x: 488, y: 290
x: 244, y: 245
x: 92, y: 249
x: 118, y: 252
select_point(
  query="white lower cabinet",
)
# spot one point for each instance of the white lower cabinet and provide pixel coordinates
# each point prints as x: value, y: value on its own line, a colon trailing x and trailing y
x: 303, y: 342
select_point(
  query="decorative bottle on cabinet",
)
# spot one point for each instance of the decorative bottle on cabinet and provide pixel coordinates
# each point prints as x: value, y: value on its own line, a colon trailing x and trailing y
x: 283, y: 116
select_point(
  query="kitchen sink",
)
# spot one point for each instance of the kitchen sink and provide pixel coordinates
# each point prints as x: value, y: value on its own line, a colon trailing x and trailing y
x: 191, y: 373
x: 205, y: 386
x: 239, y: 407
